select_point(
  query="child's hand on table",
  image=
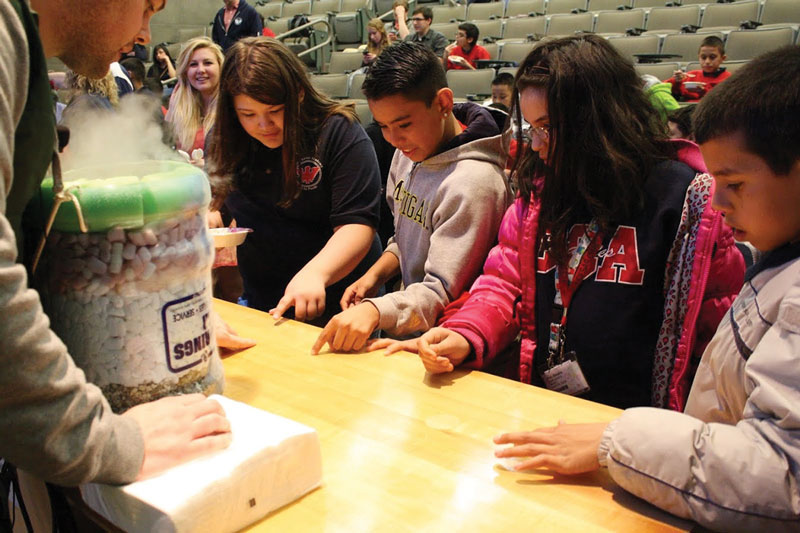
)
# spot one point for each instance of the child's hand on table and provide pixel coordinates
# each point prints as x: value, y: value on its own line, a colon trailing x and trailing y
x: 441, y: 350
x: 349, y: 330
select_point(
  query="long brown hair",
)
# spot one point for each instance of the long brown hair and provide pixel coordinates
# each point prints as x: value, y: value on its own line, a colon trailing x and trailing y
x: 267, y: 71
x: 605, y: 136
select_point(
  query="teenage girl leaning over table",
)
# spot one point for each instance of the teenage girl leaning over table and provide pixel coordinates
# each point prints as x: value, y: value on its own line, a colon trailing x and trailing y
x: 611, y: 265
x: 297, y: 168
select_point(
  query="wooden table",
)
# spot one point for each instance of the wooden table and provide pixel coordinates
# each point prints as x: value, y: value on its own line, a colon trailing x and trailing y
x: 405, y: 451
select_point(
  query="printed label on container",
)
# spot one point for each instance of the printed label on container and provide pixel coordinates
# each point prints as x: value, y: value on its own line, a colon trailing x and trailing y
x: 187, y: 332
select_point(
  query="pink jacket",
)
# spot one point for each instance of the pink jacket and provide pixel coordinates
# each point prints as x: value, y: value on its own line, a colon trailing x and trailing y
x: 703, y: 275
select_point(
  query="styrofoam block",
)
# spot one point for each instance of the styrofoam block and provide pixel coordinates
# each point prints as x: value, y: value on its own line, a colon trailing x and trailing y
x: 271, y: 462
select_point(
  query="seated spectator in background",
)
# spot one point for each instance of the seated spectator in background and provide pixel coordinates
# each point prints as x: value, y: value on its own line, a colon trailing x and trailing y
x: 595, y: 267
x: 138, y: 51
x: 680, y: 123
x: 163, y: 67
x: 87, y: 94
x: 463, y: 53
x: 660, y: 95
x: 503, y: 89
x: 298, y: 168
x: 377, y: 40
x: 124, y: 84
x: 446, y: 188
x: 421, y: 19
x: 135, y: 69
x: 692, y: 86
x: 235, y: 20
x: 730, y: 462
x: 399, y: 27
x: 193, y: 105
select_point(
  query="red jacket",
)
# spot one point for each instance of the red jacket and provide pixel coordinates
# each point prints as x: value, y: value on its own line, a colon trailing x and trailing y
x: 701, y: 282
x: 680, y: 91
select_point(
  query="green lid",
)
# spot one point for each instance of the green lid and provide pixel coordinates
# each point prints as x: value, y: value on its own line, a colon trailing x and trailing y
x: 129, y: 195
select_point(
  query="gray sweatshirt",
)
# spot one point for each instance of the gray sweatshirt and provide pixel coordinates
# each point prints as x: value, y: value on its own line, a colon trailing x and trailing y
x: 447, y: 211
x: 52, y: 422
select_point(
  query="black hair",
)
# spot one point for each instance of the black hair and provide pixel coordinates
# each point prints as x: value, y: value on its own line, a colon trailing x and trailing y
x: 683, y: 118
x: 716, y: 42
x: 472, y: 32
x: 604, y: 137
x: 504, y: 78
x: 162, y: 46
x: 425, y: 11
x: 135, y: 68
x: 762, y: 100
x: 406, y: 68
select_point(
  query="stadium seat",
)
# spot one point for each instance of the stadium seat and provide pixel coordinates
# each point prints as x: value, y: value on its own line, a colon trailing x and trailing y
x: 619, y: 21
x: 447, y: 13
x: 520, y: 28
x: 747, y: 44
x: 343, y: 62
x: 298, y: 7
x: 685, y: 45
x: 323, y: 7
x: 602, y: 5
x: 516, y: 8
x: 515, y: 51
x: 564, y: 6
x: 570, y: 24
x: 780, y: 12
x: 630, y: 46
x: 470, y: 82
x: 489, y: 28
x: 485, y: 11
x: 333, y: 85
x: 272, y: 9
x: 673, y: 18
x: 729, y: 15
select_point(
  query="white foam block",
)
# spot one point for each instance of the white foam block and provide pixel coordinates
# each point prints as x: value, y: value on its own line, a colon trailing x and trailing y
x: 272, y: 461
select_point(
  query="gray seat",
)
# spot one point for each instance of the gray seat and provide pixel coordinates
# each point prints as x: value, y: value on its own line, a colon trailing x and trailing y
x: 510, y: 70
x: 602, y: 5
x: 649, y: 3
x: 363, y: 112
x: 448, y: 29
x: 342, y: 62
x: 619, y: 21
x: 298, y: 7
x: 322, y: 7
x: 686, y: 45
x: 485, y: 11
x: 673, y: 18
x: 348, y: 29
x: 555, y: 7
x: 333, y: 85
x: 353, y: 5
x: 280, y: 25
x: 517, y: 8
x: 780, y: 12
x: 630, y: 46
x: 722, y: 15
x: 747, y: 44
x: 272, y: 9
x: 447, y: 13
x: 356, y: 81
x: 489, y: 28
x: 470, y: 82
x: 493, y: 49
x: 520, y: 28
x: 570, y: 24
x: 662, y: 71
x: 515, y: 51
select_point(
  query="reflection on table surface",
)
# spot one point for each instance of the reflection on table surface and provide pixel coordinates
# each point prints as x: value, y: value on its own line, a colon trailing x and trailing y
x: 405, y: 451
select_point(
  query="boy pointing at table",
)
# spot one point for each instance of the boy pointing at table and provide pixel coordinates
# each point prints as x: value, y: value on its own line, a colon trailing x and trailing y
x: 731, y: 461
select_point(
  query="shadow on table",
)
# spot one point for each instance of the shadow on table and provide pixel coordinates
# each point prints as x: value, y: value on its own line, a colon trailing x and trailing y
x: 437, y: 381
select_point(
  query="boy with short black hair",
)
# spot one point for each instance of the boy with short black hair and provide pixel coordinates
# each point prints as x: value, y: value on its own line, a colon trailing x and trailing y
x: 732, y: 461
x: 503, y: 89
x: 463, y: 53
x: 693, y: 85
x: 447, y: 191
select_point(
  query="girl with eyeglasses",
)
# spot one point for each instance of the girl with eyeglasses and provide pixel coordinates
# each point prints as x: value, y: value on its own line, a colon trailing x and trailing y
x: 611, y: 270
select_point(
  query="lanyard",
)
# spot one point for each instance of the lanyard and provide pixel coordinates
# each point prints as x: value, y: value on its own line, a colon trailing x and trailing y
x: 579, y: 266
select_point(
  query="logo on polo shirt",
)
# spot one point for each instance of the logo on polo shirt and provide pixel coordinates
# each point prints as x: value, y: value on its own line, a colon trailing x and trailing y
x: 309, y: 172
x: 238, y: 20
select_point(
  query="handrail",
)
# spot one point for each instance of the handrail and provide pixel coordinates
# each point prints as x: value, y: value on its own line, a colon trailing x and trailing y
x: 309, y: 24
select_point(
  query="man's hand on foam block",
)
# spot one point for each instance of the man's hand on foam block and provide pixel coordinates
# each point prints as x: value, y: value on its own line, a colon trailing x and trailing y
x: 178, y: 429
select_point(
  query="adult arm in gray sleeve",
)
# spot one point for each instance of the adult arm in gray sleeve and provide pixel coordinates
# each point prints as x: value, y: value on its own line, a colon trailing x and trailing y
x: 53, y: 424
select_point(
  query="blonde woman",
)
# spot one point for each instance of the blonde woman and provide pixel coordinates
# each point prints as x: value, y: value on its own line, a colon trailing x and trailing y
x: 192, y: 107
x: 377, y: 40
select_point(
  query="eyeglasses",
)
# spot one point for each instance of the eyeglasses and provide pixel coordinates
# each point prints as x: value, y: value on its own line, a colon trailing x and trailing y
x: 542, y: 133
